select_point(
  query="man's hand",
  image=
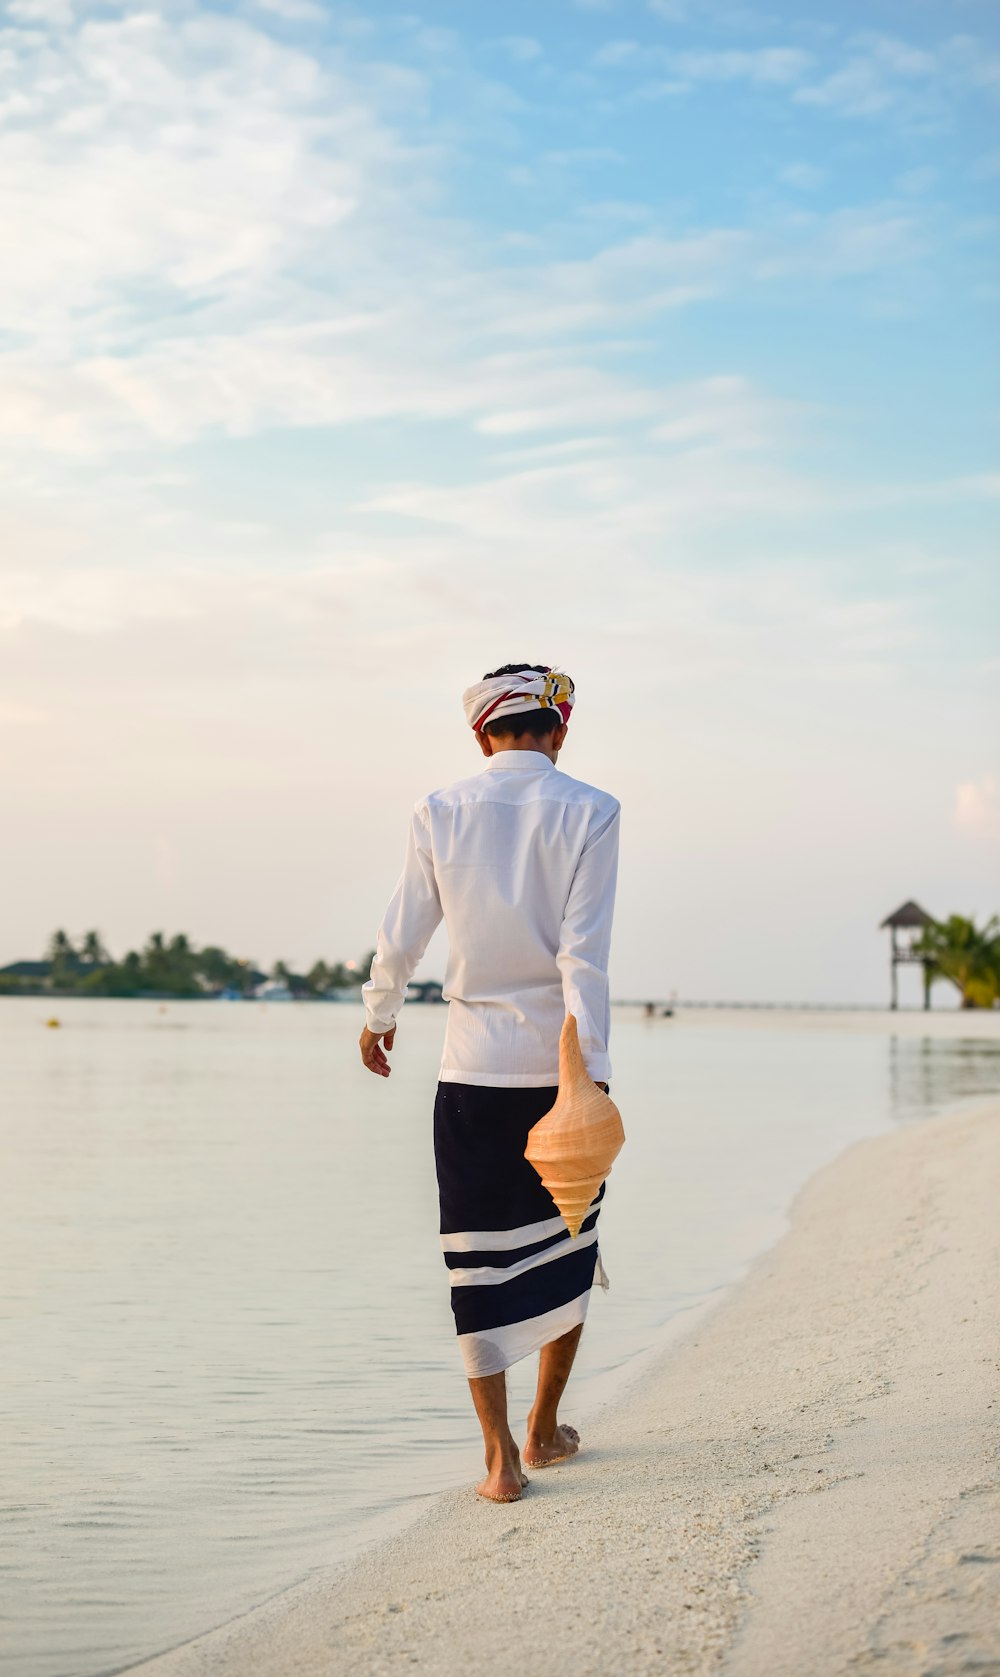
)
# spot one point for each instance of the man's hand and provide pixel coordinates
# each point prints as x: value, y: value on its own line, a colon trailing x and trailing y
x: 371, y: 1050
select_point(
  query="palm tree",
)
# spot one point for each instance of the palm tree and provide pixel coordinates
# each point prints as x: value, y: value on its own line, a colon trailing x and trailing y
x: 63, y: 959
x: 155, y: 963
x: 318, y: 978
x: 93, y: 951
x: 217, y: 968
x: 60, y: 947
x: 966, y: 954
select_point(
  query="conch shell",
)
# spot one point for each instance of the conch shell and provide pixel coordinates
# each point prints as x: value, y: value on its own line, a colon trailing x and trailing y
x: 574, y: 1146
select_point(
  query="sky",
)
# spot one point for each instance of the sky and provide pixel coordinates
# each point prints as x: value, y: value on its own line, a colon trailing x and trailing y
x: 348, y: 352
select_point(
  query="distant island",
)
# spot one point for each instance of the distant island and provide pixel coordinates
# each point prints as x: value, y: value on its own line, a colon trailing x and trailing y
x: 174, y: 968
x: 956, y: 951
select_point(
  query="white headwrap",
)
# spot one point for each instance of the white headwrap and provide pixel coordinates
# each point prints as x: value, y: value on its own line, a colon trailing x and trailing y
x: 507, y: 695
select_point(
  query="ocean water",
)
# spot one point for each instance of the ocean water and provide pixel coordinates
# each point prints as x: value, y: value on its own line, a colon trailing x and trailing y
x: 227, y: 1351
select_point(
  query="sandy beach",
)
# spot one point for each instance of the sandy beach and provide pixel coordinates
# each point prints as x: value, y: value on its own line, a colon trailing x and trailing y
x: 808, y: 1483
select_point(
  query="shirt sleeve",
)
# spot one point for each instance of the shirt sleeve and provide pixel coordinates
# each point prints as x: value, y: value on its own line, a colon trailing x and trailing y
x: 412, y: 915
x: 585, y: 941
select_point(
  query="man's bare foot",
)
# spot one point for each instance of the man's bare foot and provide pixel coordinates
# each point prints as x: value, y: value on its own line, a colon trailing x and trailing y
x: 503, y: 1483
x: 557, y: 1447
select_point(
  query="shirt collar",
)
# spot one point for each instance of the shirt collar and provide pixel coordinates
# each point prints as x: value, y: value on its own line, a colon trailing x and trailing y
x: 520, y: 761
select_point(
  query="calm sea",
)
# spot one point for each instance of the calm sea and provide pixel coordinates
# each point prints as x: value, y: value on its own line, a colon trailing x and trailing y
x: 227, y: 1349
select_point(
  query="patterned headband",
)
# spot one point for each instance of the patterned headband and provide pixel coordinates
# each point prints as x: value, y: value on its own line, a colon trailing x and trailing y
x: 507, y: 695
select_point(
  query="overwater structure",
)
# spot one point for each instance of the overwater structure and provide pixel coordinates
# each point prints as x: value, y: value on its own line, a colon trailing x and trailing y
x: 906, y: 925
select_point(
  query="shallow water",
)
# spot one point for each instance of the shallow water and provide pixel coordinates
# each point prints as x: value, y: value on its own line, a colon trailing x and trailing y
x: 227, y: 1346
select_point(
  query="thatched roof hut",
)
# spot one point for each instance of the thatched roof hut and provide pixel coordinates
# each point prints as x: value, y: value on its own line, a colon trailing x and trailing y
x: 908, y: 914
x: 909, y: 918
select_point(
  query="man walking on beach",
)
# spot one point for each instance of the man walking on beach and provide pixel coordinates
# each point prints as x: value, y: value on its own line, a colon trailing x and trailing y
x: 520, y: 861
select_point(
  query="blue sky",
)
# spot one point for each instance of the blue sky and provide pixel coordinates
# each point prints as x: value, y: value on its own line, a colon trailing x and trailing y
x: 348, y: 351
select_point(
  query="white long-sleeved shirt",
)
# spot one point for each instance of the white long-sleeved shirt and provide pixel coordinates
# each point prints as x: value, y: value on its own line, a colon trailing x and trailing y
x: 520, y: 861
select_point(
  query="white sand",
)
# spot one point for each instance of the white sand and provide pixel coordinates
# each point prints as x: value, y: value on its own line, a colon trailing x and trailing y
x: 807, y: 1487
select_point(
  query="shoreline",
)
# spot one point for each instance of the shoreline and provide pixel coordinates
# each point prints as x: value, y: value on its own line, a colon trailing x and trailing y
x: 973, y: 1018
x: 600, y: 1392
x: 802, y: 1480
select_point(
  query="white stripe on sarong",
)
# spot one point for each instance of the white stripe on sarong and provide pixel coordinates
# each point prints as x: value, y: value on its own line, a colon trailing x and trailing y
x: 492, y: 1275
x: 495, y: 1349
x: 505, y: 1240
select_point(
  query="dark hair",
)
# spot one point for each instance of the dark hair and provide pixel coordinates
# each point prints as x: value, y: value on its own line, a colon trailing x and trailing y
x: 515, y: 669
x: 538, y: 723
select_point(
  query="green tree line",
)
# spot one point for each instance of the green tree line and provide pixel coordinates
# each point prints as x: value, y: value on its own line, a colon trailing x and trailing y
x: 165, y: 966
x: 957, y: 950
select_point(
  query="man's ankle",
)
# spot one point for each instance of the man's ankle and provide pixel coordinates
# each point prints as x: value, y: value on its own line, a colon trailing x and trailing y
x: 500, y: 1454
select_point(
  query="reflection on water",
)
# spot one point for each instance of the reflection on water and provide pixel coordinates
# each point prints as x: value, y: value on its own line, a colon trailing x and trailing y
x: 926, y: 1074
x: 227, y: 1345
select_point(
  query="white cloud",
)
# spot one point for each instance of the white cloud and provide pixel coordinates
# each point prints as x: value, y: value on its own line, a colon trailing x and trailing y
x: 987, y: 168
x: 724, y: 412
x: 896, y: 56
x: 870, y: 75
x: 252, y: 186
x: 977, y: 807
x: 435, y: 346
x: 650, y: 93
x: 709, y: 466
x: 768, y: 66
x: 860, y: 242
x: 806, y: 177
x: 181, y: 630
x: 522, y: 49
x: 53, y: 14
x: 292, y: 11
x: 765, y: 66
x: 584, y: 154
x: 251, y: 242
x: 443, y: 339
x: 857, y: 89
x: 915, y: 182
x: 882, y: 73
x: 237, y: 156
x: 539, y: 453
x: 920, y: 88
x: 847, y: 243
x: 614, y: 53
x: 985, y: 72
x: 623, y: 282
x: 645, y: 494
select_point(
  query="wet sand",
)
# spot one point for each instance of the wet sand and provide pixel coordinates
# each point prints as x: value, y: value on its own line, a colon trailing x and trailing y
x: 809, y: 1483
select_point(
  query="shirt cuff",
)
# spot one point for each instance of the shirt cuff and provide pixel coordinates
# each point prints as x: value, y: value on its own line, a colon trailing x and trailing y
x: 377, y: 1024
x: 598, y: 1067
x: 380, y: 1014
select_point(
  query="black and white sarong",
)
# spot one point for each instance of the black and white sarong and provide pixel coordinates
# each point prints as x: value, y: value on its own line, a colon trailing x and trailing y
x: 517, y: 1279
